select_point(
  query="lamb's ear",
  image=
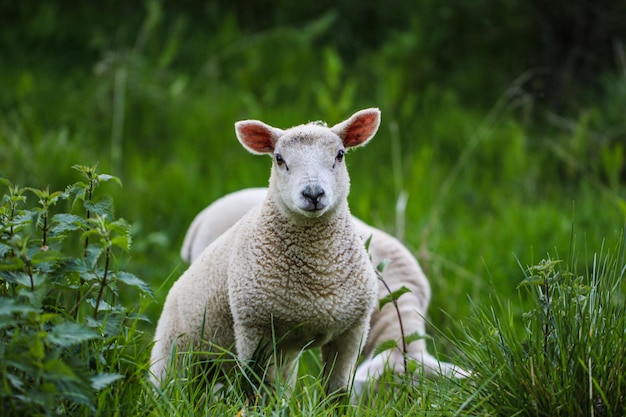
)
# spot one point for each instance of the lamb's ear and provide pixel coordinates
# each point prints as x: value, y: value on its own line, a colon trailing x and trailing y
x: 256, y: 136
x: 359, y: 128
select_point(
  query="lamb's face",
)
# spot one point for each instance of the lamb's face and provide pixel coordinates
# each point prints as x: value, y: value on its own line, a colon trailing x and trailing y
x: 309, y: 174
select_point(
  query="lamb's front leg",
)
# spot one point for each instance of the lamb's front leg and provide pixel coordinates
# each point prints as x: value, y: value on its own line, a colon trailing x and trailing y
x: 339, y: 357
x: 249, y: 343
x: 254, y: 348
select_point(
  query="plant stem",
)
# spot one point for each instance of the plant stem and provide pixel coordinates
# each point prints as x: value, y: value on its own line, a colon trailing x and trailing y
x: 88, y: 216
x: 11, y: 253
x: 45, y: 229
x: 82, y: 281
x: 104, y: 282
x: 29, y: 271
x: 405, y: 351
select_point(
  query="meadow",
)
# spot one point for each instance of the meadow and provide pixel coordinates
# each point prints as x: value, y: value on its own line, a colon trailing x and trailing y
x: 513, y: 199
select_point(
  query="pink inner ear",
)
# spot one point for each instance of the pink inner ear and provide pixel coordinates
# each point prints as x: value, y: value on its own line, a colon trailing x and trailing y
x: 360, y: 130
x: 257, y: 138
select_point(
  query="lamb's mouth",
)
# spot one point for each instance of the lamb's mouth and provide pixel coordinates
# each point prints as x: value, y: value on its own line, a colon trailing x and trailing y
x: 310, y: 210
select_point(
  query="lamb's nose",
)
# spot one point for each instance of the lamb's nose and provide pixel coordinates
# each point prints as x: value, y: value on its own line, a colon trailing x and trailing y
x: 313, y: 193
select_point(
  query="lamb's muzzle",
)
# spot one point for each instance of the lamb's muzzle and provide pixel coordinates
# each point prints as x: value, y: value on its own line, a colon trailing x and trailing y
x: 314, y: 196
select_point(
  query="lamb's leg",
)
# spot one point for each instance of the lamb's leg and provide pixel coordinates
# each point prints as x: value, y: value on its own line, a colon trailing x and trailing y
x: 248, y: 341
x: 339, y: 357
x: 255, y: 349
x: 253, y: 345
x: 168, y: 329
x: 371, y: 369
x: 290, y: 369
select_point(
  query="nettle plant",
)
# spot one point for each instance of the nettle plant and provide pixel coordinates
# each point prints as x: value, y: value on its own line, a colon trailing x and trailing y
x: 410, y: 365
x: 61, y: 330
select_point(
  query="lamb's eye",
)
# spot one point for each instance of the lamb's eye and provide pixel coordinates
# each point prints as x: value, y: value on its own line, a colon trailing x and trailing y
x: 339, y: 156
x: 279, y: 160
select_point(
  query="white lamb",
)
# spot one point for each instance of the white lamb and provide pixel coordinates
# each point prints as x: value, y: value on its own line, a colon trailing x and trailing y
x: 403, y: 269
x: 292, y: 270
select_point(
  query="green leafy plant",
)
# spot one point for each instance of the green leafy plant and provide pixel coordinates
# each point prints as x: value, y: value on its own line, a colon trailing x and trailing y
x: 392, y: 297
x: 570, y: 358
x: 59, y: 324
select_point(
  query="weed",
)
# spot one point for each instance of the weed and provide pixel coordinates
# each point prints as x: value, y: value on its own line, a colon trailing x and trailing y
x: 63, y: 333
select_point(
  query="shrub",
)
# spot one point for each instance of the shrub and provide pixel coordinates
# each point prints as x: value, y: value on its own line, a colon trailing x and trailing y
x: 63, y: 336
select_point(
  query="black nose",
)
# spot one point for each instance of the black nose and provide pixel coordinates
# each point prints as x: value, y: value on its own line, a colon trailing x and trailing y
x: 313, y: 193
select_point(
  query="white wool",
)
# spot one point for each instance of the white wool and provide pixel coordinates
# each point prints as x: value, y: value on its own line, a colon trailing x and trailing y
x: 402, y: 270
x: 292, y: 269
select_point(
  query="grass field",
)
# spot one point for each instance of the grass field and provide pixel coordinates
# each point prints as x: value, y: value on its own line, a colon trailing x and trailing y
x: 516, y: 214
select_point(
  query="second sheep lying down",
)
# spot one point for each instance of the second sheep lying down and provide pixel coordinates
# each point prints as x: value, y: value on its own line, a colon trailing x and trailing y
x: 402, y: 270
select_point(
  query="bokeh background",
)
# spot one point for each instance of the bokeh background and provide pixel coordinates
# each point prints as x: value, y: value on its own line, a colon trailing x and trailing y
x: 504, y: 127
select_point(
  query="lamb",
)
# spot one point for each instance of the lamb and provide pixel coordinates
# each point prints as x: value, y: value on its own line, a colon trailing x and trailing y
x: 292, y: 270
x: 403, y: 269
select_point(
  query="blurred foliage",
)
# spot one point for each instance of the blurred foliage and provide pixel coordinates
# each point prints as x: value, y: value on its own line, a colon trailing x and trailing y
x: 455, y: 42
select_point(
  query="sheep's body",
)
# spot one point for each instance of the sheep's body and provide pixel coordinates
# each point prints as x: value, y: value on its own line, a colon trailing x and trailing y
x: 402, y: 270
x: 293, y: 270
x: 218, y: 217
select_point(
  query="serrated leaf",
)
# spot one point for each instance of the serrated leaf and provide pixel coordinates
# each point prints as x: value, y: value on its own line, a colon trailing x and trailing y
x: 76, y: 192
x: 90, y: 233
x: 81, y: 168
x: 65, y: 222
x: 102, y: 207
x: 103, y: 306
x: 107, y: 177
x: 4, y: 249
x: 68, y: 334
x: 122, y: 241
x: 9, y: 307
x: 130, y: 279
x: 103, y: 380
x: 47, y: 256
x: 20, y: 278
x: 385, y: 345
x: 24, y: 218
x: 393, y: 296
x: 38, y: 193
x: 532, y: 280
x: 107, y: 324
x: 94, y: 252
x: 414, y: 337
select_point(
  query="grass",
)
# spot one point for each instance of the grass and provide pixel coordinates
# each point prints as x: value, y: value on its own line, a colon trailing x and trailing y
x: 489, y: 188
x: 569, y: 357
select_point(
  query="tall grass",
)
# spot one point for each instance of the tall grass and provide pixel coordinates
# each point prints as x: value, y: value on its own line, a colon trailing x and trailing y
x: 566, y: 355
